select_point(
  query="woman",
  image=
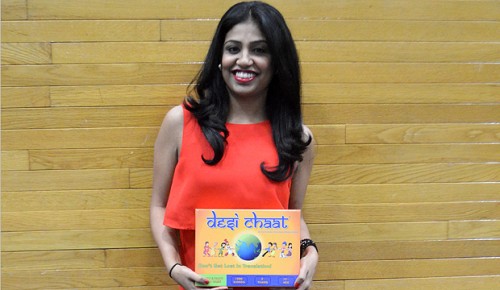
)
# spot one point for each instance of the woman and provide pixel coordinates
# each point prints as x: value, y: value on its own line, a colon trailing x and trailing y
x: 240, y: 144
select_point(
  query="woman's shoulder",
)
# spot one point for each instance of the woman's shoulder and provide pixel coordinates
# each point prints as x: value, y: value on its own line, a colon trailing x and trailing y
x: 306, y: 130
x: 307, y: 134
x: 175, y: 114
x: 308, y: 137
x: 173, y: 122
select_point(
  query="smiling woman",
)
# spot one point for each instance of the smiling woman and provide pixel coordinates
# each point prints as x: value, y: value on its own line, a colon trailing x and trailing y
x: 402, y: 98
x: 238, y: 142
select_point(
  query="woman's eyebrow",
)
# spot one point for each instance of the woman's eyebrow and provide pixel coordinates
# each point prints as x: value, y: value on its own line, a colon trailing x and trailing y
x: 252, y: 42
x: 259, y: 41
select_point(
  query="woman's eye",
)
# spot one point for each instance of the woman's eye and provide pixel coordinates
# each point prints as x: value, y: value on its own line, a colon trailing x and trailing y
x: 232, y: 49
x: 260, y: 50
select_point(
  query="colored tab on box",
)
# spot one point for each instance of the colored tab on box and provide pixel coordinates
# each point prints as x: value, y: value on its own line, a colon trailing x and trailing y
x: 261, y: 280
x: 215, y: 280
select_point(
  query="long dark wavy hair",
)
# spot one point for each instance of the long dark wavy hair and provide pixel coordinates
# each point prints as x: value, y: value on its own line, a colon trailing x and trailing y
x: 283, y: 108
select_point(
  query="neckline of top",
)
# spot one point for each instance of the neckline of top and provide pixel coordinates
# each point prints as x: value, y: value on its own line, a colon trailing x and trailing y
x: 248, y: 124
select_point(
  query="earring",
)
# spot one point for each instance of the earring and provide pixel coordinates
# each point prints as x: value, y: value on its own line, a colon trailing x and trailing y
x: 220, y: 66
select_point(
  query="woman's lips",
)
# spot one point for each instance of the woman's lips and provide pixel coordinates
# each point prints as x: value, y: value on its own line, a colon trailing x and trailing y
x: 244, y: 76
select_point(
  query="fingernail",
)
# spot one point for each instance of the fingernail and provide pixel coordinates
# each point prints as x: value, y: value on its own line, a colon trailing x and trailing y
x: 297, y: 285
x: 206, y: 281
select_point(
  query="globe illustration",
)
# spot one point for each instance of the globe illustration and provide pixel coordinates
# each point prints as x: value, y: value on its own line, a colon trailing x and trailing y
x: 248, y: 247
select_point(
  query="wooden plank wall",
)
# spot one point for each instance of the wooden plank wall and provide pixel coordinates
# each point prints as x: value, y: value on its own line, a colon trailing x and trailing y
x: 403, y: 98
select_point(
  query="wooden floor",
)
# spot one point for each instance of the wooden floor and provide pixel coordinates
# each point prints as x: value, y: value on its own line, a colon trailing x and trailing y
x: 403, y: 98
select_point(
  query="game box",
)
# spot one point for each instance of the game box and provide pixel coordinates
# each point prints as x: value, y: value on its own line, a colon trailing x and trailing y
x: 248, y: 248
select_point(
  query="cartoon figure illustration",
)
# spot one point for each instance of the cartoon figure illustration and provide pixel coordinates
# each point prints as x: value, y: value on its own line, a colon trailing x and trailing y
x: 268, y: 249
x: 289, y: 253
x: 206, y: 250
x: 228, y: 248
x: 283, y: 249
x: 213, y: 249
x: 221, y: 249
x: 273, y: 250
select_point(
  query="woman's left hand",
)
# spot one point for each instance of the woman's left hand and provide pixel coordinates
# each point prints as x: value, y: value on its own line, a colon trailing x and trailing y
x: 308, y: 265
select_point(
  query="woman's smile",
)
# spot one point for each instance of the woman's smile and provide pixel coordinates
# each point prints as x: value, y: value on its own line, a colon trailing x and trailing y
x: 244, y: 76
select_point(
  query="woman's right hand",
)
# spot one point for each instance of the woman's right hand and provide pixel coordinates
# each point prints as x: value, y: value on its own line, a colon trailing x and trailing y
x: 187, y: 278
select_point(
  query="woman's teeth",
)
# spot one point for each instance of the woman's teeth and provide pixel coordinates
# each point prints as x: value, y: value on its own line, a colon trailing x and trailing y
x: 244, y: 75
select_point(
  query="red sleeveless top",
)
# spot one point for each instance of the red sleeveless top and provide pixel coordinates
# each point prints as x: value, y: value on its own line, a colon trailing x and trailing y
x: 235, y: 182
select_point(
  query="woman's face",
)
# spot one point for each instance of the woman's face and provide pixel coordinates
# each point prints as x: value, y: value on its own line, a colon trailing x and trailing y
x: 246, y: 61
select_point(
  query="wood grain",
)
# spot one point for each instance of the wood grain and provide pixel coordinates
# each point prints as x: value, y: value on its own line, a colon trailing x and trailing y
x: 54, y: 118
x: 458, y: 283
x: 400, y: 212
x: 76, y: 239
x: 419, y: 153
x: 402, y: 93
x: 400, y: 114
x: 79, y: 138
x: 54, y: 259
x: 25, y: 97
x: 152, y: 9
x: 328, y: 134
x: 421, y: 134
x: 90, y: 158
x: 408, y: 31
x: 15, y: 160
x: 354, y: 270
x: 470, y: 229
x: 94, y: 278
x: 61, y: 200
x: 119, y: 95
x: 98, y: 74
x: 379, y: 231
x: 404, y: 250
x: 14, y: 10
x: 353, y: 30
x: 402, y: 98
x: 80, y: 30
x: 64, y: 179
x: 127, y: 52
x: 26, y: 53
x: 402, y: 193
x: 410, y: 173
x: 412, y: 52
x: 75, y: 220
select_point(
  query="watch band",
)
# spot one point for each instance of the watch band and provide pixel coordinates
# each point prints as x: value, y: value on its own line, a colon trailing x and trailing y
x: 305, y: 243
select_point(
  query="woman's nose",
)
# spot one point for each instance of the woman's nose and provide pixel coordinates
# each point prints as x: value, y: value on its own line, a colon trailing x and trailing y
x: 245, y: 59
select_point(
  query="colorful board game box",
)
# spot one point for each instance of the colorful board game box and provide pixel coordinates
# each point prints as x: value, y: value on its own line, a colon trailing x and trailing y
x: 248, y: 248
